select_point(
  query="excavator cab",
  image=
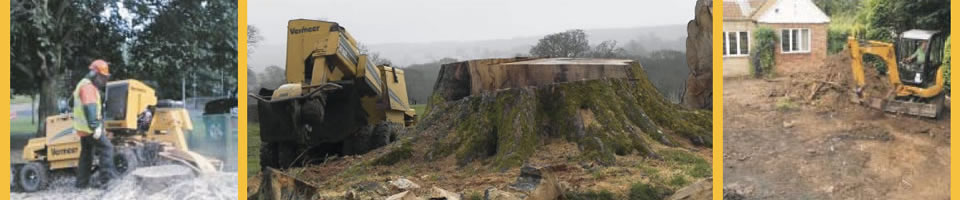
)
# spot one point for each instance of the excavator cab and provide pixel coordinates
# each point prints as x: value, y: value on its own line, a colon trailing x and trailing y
x: 920, y: 53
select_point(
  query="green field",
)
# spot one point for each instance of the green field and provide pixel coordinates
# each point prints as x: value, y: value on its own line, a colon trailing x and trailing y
x: 18, y: 99
x: 419, y: 108
x: 23, y: 125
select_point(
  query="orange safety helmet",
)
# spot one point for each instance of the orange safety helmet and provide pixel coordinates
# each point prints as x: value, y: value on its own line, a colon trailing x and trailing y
x: 100, y: 67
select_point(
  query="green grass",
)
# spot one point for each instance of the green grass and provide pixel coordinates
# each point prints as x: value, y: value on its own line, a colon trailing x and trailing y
x: 419, y: 108
x: 690, y: 163
x: 23, y: 125
x: 401, y: 153
x: 678, y: 180
x: 641, y: 191
x: 18, y: 99
x: 253, y: 149
x: 475, y: 196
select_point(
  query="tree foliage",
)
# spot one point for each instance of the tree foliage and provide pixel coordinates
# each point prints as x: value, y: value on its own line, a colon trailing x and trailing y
x: 161, y: 42
x: 272, y: 77
x: 668, y: 71
x: 572, y: 43
x: 836, y: 7
x: 253, y: 38
x: 53, y: 42
x: 765, y: 40
x: 607, y: 49
x: 882, y: 19
x: 374, y: 56
x: 194, y: 41
x: 421, y: 79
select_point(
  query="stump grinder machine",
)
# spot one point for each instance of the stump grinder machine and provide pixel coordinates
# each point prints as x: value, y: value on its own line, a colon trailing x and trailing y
x: 918, y: 86
x: 144, y: 132
x: 336, y: 101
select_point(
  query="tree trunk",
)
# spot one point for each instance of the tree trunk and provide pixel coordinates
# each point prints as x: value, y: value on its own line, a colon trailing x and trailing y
x: 49, y: 88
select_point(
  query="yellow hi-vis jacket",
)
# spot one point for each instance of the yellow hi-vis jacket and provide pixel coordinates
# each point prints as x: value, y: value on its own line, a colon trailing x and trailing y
x: 79, y: 116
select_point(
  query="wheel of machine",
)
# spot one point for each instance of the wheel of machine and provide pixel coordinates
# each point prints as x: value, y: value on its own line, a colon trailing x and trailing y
x: 125, y: 161
x: 381, y: 136
x: 33, y: 177
x: 268, y: 155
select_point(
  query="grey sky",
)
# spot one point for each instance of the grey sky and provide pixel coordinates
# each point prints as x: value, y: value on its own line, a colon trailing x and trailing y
x: 407, y: 21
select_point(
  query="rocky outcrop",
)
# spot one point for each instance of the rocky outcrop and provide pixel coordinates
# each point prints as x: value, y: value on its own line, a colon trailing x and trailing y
x: 700, y: 190
x: 699, y: 90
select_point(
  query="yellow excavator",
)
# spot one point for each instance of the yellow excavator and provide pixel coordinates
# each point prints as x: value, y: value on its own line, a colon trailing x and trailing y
x: 914, y: 69
x: 143, y: 130
x: 336, y: 101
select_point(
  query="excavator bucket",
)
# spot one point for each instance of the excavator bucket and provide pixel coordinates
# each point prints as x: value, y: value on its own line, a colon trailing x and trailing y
x: 930, y: 110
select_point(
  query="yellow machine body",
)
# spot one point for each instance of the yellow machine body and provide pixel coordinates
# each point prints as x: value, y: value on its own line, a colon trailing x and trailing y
x: 886, y: 52
x: 321, y: 52
x: 170, y: 125
x: 331, y: 87
x: 61, y: 142
x: 60, y: 147
x: 920, y: 99
x: 132, y: 97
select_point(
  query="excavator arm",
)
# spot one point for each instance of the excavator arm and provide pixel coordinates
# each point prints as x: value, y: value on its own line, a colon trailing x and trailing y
x: 884, y: 50
x: 887, y: 52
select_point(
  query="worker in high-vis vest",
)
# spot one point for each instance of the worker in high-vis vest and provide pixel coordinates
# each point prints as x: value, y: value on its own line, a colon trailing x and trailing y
x: 87, y: 119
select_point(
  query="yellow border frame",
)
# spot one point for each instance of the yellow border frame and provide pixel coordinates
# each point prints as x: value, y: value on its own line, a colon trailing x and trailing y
x: 242, y: 99
x: 242, y: 75
x: 5, y: 91
x: 953, y: 116
x: 718, y: 107
x: 717, y: 101
x: 242, y: 78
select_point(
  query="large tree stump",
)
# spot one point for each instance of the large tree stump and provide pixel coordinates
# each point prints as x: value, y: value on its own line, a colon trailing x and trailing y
x: 157, y: 178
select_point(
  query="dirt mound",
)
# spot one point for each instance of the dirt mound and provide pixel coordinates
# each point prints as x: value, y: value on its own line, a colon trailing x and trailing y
x: 605, y: 117
x: 831, y: 86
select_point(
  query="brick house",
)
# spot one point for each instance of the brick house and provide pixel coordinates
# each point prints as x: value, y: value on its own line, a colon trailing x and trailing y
x: 800, y: 26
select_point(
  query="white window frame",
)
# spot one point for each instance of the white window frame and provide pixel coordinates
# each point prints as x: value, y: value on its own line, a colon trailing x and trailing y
x: 799, y: 32
x: 726, y: 48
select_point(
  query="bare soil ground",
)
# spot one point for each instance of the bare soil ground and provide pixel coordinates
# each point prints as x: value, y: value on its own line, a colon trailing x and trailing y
x: 784, y: 141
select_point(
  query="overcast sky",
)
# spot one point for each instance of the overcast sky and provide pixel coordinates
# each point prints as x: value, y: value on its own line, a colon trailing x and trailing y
x: 408, y: 21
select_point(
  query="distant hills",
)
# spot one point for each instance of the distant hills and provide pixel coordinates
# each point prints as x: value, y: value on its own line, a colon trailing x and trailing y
x: 644, y: 40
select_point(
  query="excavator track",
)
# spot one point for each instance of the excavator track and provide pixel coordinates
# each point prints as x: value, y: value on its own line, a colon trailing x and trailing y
x: 929, y: 110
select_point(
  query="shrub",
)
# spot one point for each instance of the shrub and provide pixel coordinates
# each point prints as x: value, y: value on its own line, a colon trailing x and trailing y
x: 765, y: 40
x: 836, y: 39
